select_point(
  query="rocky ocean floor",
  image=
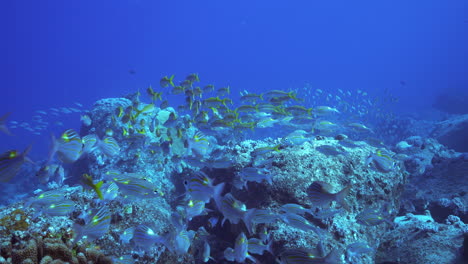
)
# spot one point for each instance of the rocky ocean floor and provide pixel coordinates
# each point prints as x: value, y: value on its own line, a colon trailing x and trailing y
x: 414, y: 212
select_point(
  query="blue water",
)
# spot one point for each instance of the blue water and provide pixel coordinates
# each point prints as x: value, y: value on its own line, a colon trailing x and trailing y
x: 55, y: 53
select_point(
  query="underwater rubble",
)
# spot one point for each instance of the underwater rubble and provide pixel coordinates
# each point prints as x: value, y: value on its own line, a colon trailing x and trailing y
x: 145, y: 184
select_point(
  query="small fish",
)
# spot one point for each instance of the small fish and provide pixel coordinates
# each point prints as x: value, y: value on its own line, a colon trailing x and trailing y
x: 144, y: 237
x: 359, y: 127
x: 325, y: 110
x: 125, y: 259
x: 109, y: 146
x: 320, y: 194
x: 164, y: 104
x: 11, y: 162
x: 300, y: 256
x: 382, y: 161
x: 295, y: 209
x: 246, y: 109
x: 126, y: 235
x: 296, y: 138
x: 3, y: 126
x: 200, y: 144
x: 181, y: 241
x: 373, y: 216
x: 88, y: 180
x: 278, y: 93
x: 241, y: 252
x: 135, y: 186
x: 256, y: 216
x: 257, y: 246
x: 199, y: 187
x: 231, y: 208
x: 325, y: 125
x: 301, y: 223
x: 224, y: 91
x: 178, y: 90
x: 357, y: 249
x: 265, y: 150
x: 89, y: 143
x: 96, y: 227
x: 194, y: 208
x: 280, y: 100
x: 46, y: 172
x: 299, y: 110
x: 61, y: 208
x: 251, y: 98
x: 68, y: 147
x: 229, y: 254
x: 256, y: 175
x: 166, y: 81
x: 86, y: 120
x: 146, y: 109
x: 208, y: 88
x: 193, y: 77
x: 45, y: 198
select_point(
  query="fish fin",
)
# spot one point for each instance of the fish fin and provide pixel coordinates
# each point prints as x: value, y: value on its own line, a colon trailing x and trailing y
x: 25, y: 153
x: 4, y: 117
x: 78, y: 232
x: 269, y: 246
x: 341, y: 196
x: 248, y: 220
x: 334, y: 257
x: 217, y: 190
x: 53, y: 148
x: 269, y: 179
x: 3, y: 126
x: 251, y: 258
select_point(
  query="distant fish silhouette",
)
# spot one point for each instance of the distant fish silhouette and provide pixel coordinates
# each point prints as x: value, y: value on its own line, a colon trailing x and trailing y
x: 3, y: 127
x: 132, y: 71
x: 403, y: 83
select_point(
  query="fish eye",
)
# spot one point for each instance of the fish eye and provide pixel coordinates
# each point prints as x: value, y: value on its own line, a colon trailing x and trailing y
x: 185, y: 182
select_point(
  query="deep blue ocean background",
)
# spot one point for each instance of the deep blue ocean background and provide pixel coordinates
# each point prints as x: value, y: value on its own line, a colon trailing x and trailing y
x: 56, y: 53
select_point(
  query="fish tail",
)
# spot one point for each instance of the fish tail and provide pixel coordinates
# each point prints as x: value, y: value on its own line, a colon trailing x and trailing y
x: 340, y: 197
x: 292, y: 95
x: 97, y: 188
x: 276, y: 148
x: 170, y: 80
x: 268, y: 179
x: 261, y: 96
